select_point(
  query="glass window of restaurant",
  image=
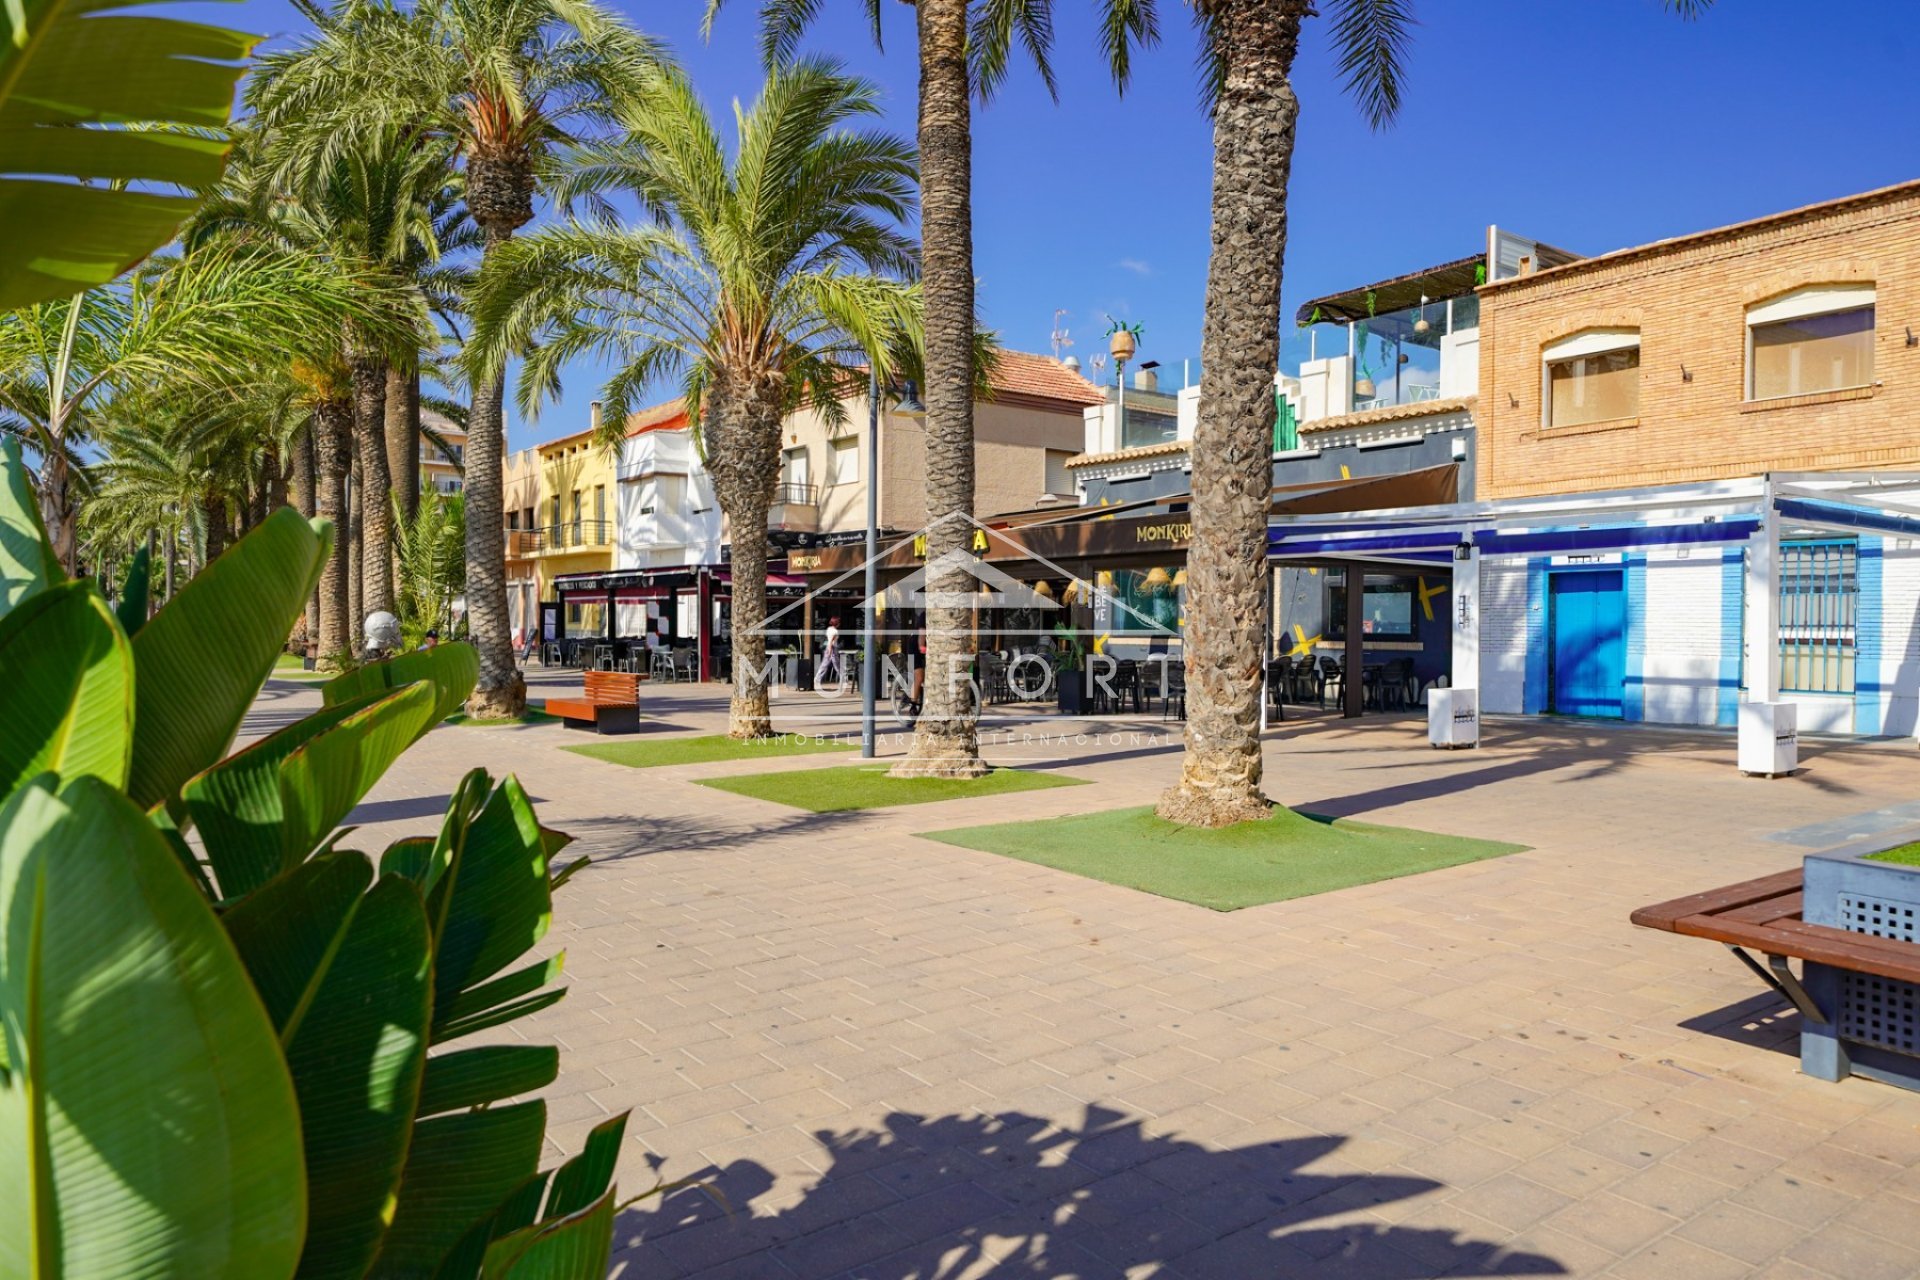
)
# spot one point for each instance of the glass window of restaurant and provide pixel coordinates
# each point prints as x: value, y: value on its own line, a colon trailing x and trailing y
x: 1387, y: 611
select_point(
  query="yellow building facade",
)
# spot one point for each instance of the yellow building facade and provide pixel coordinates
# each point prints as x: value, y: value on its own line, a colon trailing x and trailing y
x: 560, y: 511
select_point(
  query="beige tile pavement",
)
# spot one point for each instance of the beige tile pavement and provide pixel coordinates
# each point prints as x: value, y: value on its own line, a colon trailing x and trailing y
x: 898, y: 1059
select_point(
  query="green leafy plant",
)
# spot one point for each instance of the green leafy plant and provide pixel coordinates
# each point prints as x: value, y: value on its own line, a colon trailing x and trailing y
x: 71, y: 81
x: 1138, y: 330
x: 240, y: 1056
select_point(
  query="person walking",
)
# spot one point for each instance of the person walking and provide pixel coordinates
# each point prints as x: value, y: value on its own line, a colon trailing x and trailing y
x: 830, y: 655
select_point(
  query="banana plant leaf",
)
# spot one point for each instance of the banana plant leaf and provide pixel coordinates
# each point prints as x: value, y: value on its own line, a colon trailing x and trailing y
x: 27, y: 563
x: 493, y: 904
x: 68, y: 673
x: 69, y: 74
x: 451, y: 668
x: 577, y: 1247
x: 240, y: 805
x: 201, y: 660
x: 148, y: 1125
x: 135, y: 592
x: 356, y: 1060
x: 459, y: 1170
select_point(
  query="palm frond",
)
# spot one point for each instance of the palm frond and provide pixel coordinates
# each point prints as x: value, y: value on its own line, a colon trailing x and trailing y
x: 1370, y: 40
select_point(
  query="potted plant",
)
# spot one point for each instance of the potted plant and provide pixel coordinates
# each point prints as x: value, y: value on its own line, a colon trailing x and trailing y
x: 1123, y: 339
x: 1363, y: 388
x: 1068, y: 662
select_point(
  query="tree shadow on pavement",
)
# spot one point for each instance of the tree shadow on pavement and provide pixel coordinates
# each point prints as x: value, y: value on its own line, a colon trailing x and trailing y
x: 1016, y: 1197
x: 619, y: 837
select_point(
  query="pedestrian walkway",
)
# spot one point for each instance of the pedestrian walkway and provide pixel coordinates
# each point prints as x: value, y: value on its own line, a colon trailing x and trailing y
x: 896, y: 1059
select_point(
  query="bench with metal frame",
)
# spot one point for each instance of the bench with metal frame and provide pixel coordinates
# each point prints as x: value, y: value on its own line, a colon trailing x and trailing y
x: 1765, y: 916
x: 609, y: 703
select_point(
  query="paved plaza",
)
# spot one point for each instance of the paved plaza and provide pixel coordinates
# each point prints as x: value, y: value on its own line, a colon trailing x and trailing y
x: 894, y: 1059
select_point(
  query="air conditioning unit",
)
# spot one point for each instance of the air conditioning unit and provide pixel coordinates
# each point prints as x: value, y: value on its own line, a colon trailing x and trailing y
x: 1453, y: 718
x: 1769, y: 739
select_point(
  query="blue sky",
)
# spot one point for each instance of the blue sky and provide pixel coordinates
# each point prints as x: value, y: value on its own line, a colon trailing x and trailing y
x: 1589, y: 125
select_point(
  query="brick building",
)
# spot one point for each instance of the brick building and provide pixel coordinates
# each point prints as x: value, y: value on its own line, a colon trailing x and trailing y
x: 1780, y: 344
x: 1689, y: 481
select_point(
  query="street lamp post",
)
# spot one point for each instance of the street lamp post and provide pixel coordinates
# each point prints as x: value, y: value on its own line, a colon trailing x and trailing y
x: 869, y: 658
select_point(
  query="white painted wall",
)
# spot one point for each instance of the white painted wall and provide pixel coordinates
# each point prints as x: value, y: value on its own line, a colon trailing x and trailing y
x: 1326, y: 388
x: 665, y: 511
x: 1503, y: 635
x: 1899, y: 637
x: 1681, y: 665
x: 1460, y: 363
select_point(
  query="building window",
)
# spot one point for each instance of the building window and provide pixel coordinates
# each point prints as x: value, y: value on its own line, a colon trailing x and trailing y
x: 845, y: 462
x: 1058, y: 478
x: 793, y: 476
x: 600, y: 505
x: 1386, y: 612
x: 1819, y: 600
x: 1593, y: 377
x: 513, y: 519
x: 1811, y: 340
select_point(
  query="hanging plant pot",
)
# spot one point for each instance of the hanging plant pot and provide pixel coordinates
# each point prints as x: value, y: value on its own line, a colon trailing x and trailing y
x: 1363, y: 388
x: 1121, y: 345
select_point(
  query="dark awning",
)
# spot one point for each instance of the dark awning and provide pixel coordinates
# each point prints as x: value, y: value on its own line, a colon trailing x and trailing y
x: 1448, y: 280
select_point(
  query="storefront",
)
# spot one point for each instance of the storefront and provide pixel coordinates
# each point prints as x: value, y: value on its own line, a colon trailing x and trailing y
x: 684, y: 610
x: 1118, y: 574
x: 1669, y: 604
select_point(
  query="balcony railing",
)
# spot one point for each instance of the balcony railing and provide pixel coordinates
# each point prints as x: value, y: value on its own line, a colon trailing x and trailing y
x: 555, y: 539
x: 794, y: 495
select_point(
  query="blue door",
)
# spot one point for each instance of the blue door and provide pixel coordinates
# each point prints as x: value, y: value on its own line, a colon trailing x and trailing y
x: 1589, y: 655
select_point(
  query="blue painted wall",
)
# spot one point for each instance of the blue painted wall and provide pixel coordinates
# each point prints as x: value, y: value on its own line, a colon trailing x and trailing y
x: 1733, y: 563
x: 1869, y: 638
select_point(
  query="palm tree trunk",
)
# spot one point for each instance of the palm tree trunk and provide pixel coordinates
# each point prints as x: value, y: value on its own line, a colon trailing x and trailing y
x: 215, y: 508
x: 356, y: 567
x: 500, y: 692
x: 330, y: 428
x: 300, y: 475
x: 1253, y: 134
x: 946, y: 741
x: 403, y: 439
x: 376, y: 493
x: 743, y: 456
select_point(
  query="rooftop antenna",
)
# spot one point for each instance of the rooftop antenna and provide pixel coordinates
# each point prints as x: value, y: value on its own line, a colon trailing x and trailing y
x: 1061, y: 340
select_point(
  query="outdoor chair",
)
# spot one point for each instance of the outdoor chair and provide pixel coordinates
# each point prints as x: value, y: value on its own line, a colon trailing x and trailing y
x: 686, y: 665
x: 1175, y: 693
x: 1333, y: 680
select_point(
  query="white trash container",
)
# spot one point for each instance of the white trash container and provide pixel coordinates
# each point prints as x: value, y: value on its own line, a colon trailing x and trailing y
x: 1769, y: 739
x: 1453, y: 717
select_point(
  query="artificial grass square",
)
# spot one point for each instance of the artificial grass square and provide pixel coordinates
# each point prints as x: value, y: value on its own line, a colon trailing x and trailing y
x: 706, y: 749
x: 869, y: 787
x: 1905, y: 855
x: 1290, y: 855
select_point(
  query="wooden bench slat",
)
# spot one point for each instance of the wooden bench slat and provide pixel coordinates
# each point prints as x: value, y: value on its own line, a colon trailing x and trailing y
x: 1663, y: 915
x: 1784, y: 907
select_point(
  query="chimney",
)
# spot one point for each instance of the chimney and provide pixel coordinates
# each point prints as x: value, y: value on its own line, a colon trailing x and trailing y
x: 593, y: 417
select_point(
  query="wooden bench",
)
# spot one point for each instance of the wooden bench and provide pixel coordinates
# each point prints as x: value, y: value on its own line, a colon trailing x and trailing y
x: 610, y: 703
x: 1765, y: 916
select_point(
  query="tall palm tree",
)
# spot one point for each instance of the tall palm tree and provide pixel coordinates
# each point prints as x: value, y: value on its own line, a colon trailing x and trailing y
x: 504, y: 81
x: 1248, y: 49
x: 761, y: 285
x: 964, y: 48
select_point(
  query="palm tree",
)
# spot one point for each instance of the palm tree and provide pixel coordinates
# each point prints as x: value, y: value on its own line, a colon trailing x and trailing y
x: 761, y: 285
x: 964, y: 48
x: 208, y: 320
x: 1248, y: 50
x: 504, y: 81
